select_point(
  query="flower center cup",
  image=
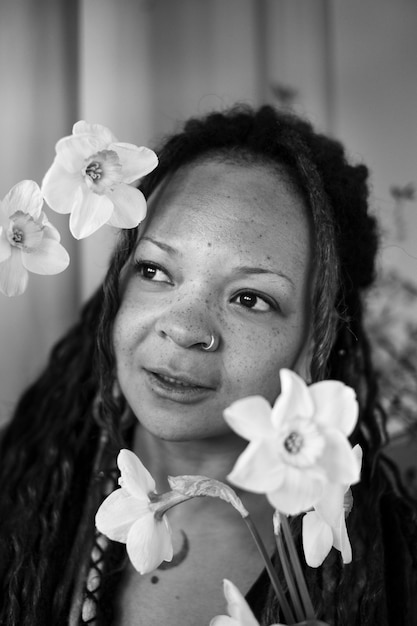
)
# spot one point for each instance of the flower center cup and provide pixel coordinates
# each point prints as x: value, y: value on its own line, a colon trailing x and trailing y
x: 301, y: 443
x: 102, y: 172
x: 24, y: 232
x: 94, y: 170
x: 294, y: 442
x: 17, y: 236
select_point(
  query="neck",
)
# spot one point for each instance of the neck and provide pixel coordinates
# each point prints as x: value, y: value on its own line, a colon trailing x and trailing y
x: 207, y: 457
x: 213, y: 458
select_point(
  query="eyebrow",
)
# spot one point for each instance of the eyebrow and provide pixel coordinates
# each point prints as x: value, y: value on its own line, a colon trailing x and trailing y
x: 247, y: 269
x: 241, y: 269
x: 164, y: 246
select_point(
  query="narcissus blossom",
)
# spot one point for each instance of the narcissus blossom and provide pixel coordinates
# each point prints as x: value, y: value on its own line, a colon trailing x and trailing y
x: 298, y: 446
x: 239, y: 611
x: 325, y: 526
x: 130, y: 515
x: 90, y: 178
x: 28, y: 241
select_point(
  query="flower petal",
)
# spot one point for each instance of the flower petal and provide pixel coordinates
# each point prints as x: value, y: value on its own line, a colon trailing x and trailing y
x: 237, y: 606
x: 330, y: 507
x: 341, y: 540
x: 338, y: 459
x: 50, y: 257
x: 25, y: 197
x: 149, y: 543
x: 298, y: 492
x: 258, y: 469
x: 5, y: 247
x: 317, y: 539
x: 4, y: 219
x: 13, y: 276
x: 358, y: 452
x: 335, y: 404
x: 129, y: 206
x: 72, y: 152
x: 61, y: 189
x: 250, y: 418
x: 294, y: 399
x: 136, y: 478
x: 118, y: 512
x: 89, y: 215
x: 104, y: 133
x: 50, y: 232
x: 136, y: 161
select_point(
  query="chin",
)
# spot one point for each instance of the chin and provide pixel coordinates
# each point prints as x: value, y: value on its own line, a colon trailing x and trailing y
x: 185, y: 430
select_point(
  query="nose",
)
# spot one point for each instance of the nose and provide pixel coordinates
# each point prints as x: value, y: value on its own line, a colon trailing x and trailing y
x: 188, y: 323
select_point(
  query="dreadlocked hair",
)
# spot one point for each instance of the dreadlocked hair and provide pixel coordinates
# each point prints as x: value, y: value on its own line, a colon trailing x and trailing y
x: 46, y: 455
x: 68, y: 426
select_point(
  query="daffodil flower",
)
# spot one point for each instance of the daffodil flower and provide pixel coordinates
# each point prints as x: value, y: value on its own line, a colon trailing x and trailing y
x: 297, y: 447
x: 91, y: 178
x: 28, y: 241
x: 325, y: 526
x: 239, y: 611
x: 134, y: 515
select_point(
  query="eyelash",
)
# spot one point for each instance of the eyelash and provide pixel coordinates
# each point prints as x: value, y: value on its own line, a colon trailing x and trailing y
x: 253, y: 294
x: 141, y: 266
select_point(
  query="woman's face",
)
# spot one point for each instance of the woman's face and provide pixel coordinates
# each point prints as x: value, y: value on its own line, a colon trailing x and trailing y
x: 225, y: 250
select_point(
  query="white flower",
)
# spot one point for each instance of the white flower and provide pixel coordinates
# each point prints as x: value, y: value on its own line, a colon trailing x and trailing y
x: 239, y: 611
x: 325, y: 526
x: 28, y: 241
x: 130, y: 515
x: 90, y: 178
x: 299, y: 446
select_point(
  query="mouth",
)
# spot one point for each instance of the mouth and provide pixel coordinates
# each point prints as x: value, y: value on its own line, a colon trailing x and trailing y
x: 178, y: 387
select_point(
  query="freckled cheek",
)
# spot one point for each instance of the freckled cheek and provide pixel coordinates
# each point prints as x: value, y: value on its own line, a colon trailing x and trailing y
x: 253, y: 361
x: 129, y: 330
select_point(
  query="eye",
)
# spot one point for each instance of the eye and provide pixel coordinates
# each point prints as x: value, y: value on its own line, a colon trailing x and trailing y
x: 152, y: 272
x: 254, y: 301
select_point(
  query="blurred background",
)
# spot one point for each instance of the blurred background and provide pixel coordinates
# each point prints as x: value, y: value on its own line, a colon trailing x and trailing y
x: 142, y: 66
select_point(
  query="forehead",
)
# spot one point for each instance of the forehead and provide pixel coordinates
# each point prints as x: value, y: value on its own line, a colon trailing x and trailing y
x: 253, y: 193
x: 251, y: 207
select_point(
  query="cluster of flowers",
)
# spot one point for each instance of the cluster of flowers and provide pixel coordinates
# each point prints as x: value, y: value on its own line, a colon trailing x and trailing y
x: 90, y: 178
x: 298, y: 455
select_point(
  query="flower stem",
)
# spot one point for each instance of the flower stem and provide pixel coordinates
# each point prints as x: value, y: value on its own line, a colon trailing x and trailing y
x: 299, y: 575
x: 286, y: 609
x: 292, y: 587
x: 162, y: 502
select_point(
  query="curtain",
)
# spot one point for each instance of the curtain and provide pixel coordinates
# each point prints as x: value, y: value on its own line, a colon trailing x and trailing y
x: 39, y: 101
x: 140, y: 67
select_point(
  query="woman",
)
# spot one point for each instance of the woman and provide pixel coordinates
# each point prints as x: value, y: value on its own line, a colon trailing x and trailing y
x: 253, y: 257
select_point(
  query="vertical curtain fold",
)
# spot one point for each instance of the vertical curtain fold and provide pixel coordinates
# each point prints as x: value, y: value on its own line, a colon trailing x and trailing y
x: 38, y: 104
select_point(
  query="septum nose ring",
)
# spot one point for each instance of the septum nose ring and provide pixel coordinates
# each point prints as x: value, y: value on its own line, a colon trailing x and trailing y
x: 210, y: 347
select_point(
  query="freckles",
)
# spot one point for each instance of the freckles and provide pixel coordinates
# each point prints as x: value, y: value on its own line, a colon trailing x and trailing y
x: 128, y: 328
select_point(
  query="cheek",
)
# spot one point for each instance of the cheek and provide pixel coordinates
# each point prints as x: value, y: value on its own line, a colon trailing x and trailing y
x: 253, y: 360
x: 128, y: 330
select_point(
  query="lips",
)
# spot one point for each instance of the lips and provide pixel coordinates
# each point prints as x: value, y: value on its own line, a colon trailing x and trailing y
x: 179, y: 379
x: 178, y: 387
x: 175, y: 381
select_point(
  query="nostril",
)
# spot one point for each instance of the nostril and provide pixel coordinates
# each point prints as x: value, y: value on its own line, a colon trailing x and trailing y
x: 186, y: 331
